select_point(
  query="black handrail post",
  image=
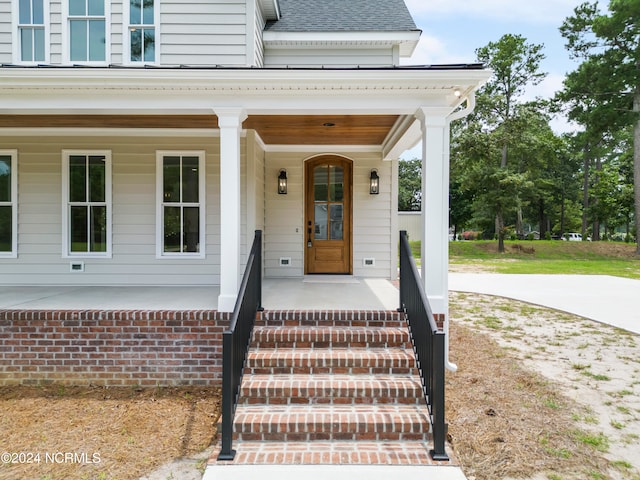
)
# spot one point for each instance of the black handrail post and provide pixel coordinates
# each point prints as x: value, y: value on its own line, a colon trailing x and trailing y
x: 403, y: 234
x: 258, y: 239
x: 228, y: 398
x: 438, y: 399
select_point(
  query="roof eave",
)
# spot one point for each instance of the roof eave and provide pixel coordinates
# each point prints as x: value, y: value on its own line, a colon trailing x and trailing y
x: 407, y: 40
x: 271, y: 9
x: 261, y: 91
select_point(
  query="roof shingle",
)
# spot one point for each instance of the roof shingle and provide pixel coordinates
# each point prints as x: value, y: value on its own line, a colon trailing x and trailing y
x: 342, y: 16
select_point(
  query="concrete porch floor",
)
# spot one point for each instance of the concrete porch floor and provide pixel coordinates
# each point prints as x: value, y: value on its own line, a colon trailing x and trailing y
x: 310, y: 292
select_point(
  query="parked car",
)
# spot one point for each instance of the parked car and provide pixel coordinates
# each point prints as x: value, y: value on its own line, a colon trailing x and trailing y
x: 573, y: 237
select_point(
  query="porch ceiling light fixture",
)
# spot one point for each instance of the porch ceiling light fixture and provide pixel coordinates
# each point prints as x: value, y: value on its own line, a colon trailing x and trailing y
x: 374, y: 183
x: 282, y: 182
x: 457, y: 92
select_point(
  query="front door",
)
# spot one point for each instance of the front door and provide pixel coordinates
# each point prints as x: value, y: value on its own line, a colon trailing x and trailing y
x: 328, y: 215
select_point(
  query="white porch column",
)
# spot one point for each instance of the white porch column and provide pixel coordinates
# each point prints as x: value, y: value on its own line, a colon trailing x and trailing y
x: 435, y: 212
x: 230, y: 123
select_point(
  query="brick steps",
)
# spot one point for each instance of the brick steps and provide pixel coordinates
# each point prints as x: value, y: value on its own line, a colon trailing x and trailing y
x: 298, y: 423
x: 334, y: 453
x: 336, y: 361
x: 332, y: 318
x: 331, y: 388
x: 330, y: 337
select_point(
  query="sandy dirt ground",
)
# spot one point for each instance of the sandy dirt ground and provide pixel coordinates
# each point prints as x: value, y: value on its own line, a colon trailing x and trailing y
x: 595, y: 365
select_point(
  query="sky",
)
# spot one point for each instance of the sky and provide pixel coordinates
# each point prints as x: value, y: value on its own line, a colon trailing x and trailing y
x: 453, y: 29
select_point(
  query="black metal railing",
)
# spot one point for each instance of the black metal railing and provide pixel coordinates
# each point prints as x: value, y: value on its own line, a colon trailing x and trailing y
x: 428, y: 343
x: 235, y: 342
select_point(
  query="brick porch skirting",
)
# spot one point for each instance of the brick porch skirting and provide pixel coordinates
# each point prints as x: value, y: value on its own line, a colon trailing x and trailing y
x: 106, y: 347
x: 135, y: 347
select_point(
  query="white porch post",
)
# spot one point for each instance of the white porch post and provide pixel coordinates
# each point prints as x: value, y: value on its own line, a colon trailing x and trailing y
x: 230, y: 124
x: 435, y: 212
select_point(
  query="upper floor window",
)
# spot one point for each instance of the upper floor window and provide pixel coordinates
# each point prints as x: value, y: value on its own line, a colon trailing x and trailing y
x: 87, y: 31
x: 31, y: 30
x: 142, y: 31
x: 8, y: 203
x: 87, y: 203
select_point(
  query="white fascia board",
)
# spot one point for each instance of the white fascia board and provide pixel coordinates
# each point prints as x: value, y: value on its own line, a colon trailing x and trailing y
x: 259, y: 91
x: 404, y: 135
x: 270, y: 8
x: 407, y: 40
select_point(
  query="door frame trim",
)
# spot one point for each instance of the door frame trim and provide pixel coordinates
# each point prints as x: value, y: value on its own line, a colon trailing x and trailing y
x: 318, y: 159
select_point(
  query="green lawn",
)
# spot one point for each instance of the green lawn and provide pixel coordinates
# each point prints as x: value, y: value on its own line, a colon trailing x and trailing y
x: 550, y: 257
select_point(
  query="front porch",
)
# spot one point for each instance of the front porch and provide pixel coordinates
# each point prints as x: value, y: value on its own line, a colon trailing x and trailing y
x: 148, y: 335
x: 314, y: 292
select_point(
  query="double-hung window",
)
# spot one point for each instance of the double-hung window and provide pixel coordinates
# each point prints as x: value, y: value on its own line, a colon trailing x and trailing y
x: 31, y: 31
x: 87, y: 31
x: 87, y: 203
x: 8, y: 203
x: 181, y: 202
x: 142, y: 31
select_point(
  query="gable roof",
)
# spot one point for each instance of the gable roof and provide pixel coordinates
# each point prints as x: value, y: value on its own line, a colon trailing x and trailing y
x: 343, y: 16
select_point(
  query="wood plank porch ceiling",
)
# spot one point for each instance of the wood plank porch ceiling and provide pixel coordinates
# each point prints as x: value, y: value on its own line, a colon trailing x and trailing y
x: 273, y: 129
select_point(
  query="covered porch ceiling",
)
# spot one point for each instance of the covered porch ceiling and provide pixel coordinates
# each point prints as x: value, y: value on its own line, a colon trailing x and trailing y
x: 308, y: 107
x: 326, y: 129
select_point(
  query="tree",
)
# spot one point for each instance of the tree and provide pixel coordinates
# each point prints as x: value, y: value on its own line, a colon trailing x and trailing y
x: 409, y: 185
x: 460, y: 207
x: 614, y: 189
x: 610, y: 73
x: 499, y: 123
x: 566, y: 173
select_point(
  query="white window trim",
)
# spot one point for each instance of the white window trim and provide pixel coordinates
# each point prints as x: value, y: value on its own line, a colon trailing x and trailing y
x: 66, y: 46
x: 159, y: 201
x: 15, y: 37
x: 126, y: 34
x: 14, y: 204
x: 66, y: 247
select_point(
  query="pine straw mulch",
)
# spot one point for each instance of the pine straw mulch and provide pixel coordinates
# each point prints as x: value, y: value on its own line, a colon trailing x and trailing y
x: 509, y: 422
x: 115, y: 433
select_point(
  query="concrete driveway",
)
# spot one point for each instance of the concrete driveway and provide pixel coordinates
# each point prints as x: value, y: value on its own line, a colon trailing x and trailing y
x: 606, y: 299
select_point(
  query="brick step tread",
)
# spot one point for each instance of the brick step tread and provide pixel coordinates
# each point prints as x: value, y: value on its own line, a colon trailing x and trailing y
x: 333, y: 453
x: 323, y: 337
x: 335, y: 360
x: 334, y: 318
x: 331, y: 389
x: 330, y: 422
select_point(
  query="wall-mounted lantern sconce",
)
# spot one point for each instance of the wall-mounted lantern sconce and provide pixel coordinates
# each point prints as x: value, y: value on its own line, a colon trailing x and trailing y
x: 282, y: 182
x: 374, y: 183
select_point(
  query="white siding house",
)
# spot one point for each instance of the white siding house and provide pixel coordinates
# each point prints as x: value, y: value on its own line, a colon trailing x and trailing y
x: 149, y: 137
